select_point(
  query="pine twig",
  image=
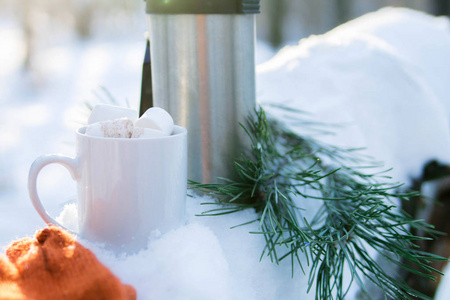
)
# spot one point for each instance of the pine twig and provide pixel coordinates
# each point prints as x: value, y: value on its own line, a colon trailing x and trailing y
x: 281, y: 170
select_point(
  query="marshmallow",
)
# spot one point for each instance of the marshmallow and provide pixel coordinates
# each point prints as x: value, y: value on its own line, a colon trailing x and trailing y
x: 146, y: 133
x: 119, y: 128
x: 105, y: 112
x: 156, y: 118
x: 95, y: 130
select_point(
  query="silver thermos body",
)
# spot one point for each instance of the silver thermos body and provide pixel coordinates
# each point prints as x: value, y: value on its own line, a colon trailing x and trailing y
x: 203, y: 73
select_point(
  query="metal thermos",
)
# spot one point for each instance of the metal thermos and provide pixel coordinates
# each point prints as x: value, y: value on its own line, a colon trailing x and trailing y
x: 203, y: 73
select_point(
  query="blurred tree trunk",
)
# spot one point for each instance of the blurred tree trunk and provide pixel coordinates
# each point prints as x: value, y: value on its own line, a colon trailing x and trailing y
x: 277, y: 11
x: 27, y: 29
x: 442, y: 7
x: 343, y: 10
x: 84, y: 14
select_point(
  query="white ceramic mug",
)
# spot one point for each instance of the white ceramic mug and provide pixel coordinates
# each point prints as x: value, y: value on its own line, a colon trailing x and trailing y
x: 127, y: 188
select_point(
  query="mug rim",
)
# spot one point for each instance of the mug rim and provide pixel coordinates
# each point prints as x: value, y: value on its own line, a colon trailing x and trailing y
x: 177, y: 131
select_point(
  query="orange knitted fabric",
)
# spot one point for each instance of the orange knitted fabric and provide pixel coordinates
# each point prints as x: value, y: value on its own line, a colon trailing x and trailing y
x: 54, y: 266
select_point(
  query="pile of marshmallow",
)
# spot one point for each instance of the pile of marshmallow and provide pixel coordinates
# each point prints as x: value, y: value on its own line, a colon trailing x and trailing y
x: 119, y: 122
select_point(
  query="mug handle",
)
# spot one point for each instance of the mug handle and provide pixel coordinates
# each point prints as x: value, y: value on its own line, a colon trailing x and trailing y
x: 70, y: 163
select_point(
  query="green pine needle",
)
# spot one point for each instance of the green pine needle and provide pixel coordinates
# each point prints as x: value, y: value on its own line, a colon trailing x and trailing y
x: 358, y: 211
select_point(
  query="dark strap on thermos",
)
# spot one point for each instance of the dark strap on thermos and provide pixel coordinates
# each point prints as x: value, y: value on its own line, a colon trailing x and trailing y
x: 146, y: 89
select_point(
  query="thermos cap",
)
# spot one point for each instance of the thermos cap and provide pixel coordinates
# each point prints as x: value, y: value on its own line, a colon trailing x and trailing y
x: 200, y: 7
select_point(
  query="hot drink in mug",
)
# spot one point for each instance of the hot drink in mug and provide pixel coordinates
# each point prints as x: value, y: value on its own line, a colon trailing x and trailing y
x: 127, y: 187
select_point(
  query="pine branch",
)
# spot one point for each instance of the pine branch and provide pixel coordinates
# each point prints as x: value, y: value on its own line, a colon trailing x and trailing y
x: 281, y: 170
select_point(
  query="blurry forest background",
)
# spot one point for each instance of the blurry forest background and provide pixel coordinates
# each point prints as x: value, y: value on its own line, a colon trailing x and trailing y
x: 285, y: 21
x: 45, y: 23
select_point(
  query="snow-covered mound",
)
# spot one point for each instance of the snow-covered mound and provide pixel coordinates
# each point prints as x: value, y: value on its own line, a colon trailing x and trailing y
x: 382, y: 76
x: 422, y: 40
x: 206, y: 260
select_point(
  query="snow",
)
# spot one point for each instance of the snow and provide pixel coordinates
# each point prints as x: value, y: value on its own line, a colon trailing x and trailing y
x: 381, y: 78
x: 206, y: 260
x: 383, y: 94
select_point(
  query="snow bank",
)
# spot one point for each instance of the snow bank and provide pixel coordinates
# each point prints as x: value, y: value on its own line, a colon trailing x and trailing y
x: 204, y: 260
x: 376, y: 78
x: 420, y: 39
x: 382, y: 76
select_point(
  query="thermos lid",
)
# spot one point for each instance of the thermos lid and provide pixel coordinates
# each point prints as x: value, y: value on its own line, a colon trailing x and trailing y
x: 200, y: 7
